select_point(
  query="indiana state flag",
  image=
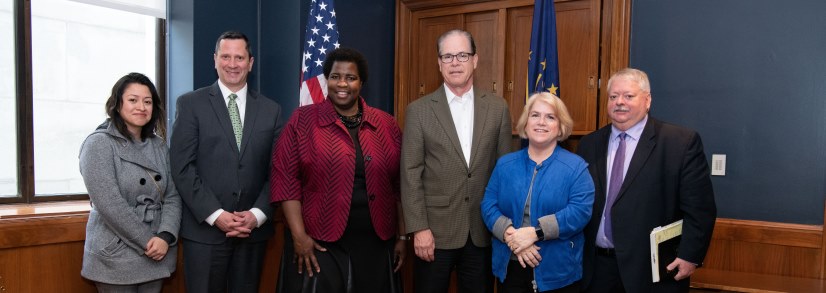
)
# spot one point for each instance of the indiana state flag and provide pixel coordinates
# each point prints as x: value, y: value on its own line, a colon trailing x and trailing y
x: 321, y: 36
x: 543, y: 66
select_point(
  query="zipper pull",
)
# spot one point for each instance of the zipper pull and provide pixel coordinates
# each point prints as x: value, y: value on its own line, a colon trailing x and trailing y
x: 533, y: 283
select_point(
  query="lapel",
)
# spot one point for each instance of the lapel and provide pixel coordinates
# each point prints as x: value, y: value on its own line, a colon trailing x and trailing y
x: 130, y: 154
x: 250, y: 115
x: 127, y: 151
x: 602, y: 163
x: 442, y: 111
x: 480, y: 113
x: 644, y: 148
x: 216, y: 99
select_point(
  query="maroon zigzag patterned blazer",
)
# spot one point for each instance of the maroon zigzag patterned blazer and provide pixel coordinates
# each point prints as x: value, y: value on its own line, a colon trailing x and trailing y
x: 314, y: 161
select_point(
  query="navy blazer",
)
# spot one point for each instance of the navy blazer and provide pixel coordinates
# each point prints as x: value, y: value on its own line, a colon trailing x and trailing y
x: 209, y: 170
x: 667, y: 180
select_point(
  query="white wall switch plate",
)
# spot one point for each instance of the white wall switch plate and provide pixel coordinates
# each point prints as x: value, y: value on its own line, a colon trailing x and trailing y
x: 718, y: 165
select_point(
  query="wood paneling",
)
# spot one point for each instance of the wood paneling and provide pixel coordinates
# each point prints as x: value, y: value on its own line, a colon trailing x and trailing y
x: 766, y: 248
x: 43, y: 268
x: 484, y: 26
x: 421, y: 4
x: 615, y: 42
x: 578, y: 46
x: 21, y: 232
x: 502, y: 32
x: 750, y: 282
x: 45, y: 254
x: 427, y: 76
x: 756, y: 256
x: 516, y: 73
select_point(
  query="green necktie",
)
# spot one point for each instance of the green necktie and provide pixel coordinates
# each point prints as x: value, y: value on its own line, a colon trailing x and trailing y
x: 235, y: 117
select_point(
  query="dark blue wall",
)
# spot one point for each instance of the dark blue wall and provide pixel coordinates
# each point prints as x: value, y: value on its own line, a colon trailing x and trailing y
x: 275, y: 29
x: 368, y: 26
x: 750, y: 76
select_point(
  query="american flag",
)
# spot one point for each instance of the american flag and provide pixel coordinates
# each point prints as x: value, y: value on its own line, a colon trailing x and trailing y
x: 321, y: 36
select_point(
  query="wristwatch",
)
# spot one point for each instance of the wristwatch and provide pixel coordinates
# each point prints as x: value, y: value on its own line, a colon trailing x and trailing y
x: 404, y: 237
x: 539, y: 233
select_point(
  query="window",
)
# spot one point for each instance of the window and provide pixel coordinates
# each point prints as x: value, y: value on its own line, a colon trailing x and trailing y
x: 78, y: 51
x: 8, y: 133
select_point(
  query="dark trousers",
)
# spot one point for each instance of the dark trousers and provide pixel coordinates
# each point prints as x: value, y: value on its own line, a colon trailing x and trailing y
x: 472, y: 266
x: 520, y: 280
x: 606, y: 276
x: 233, y: 266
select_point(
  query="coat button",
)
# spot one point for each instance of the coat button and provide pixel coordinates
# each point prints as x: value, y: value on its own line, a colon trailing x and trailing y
x: 157, y: 177
x: 143, y: 181
x: 467, y: 198
x: 468, y: 175
x: 372, y: 197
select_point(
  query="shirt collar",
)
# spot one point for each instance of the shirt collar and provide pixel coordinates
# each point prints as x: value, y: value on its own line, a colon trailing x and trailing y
x: 225, y: 91
x: 451, y: 97
x: 635, y: 132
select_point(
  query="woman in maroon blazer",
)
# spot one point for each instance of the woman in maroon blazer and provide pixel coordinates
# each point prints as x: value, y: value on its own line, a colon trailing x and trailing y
x: 335, y: 169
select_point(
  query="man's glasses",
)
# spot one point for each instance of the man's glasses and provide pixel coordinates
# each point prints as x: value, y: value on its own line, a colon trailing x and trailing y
x: 462, y: 57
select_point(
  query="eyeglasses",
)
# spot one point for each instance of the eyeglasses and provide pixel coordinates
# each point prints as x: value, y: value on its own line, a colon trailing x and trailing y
x: 462, y: 57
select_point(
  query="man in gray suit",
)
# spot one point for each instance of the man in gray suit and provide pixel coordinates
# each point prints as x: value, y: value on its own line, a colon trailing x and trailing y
x: 452, y: 139
x: 220, y: 152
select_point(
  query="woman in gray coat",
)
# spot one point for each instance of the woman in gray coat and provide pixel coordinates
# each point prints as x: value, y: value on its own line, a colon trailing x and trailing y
x: 136, y: 211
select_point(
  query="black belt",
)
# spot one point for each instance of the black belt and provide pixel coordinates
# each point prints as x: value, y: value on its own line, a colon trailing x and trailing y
x: 610, y: 252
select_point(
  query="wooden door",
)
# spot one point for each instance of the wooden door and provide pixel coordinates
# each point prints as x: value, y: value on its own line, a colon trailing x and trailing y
x: 502, y: 33
x: 483, y: 27
x: 426, y: 63
x: 518, y: 42
x: 577, y: 27
x: 578, y: 53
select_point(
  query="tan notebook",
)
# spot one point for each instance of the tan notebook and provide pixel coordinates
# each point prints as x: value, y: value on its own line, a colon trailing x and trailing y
x: 659, y: 235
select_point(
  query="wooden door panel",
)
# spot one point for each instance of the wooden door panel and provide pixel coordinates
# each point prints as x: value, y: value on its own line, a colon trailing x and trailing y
x: 483, y: 27
x: 425, y: 58
x: 578, y: 49
x: 502, y: 33
x: 518, y: 44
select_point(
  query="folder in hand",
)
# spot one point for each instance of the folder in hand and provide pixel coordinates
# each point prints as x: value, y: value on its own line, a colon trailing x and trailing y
x: 660, y: 235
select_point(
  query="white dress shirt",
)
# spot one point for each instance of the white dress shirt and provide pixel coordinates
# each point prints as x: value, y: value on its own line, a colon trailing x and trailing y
x: 461, y: 109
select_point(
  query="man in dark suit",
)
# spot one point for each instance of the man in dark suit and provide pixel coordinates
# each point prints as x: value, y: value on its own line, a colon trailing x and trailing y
x: 647, y: 173
x: 220, y: 149
x: 452, y: 139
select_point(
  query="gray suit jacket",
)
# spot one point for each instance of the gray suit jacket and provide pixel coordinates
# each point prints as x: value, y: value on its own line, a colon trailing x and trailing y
x: 128, y: 208
x: 439, y: 191
x: 208, y: 168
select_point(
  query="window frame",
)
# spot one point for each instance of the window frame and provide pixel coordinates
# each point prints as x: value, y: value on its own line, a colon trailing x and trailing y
x: 24, y: 100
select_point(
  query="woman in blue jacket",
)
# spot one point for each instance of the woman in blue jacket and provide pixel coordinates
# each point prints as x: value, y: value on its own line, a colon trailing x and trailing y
x: 537, y: 203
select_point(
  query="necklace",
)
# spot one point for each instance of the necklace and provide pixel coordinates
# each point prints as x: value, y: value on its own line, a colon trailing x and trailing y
x: 351, y: 121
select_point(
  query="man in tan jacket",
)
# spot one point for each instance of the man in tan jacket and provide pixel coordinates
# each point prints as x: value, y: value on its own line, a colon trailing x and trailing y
x: 452, y: 139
